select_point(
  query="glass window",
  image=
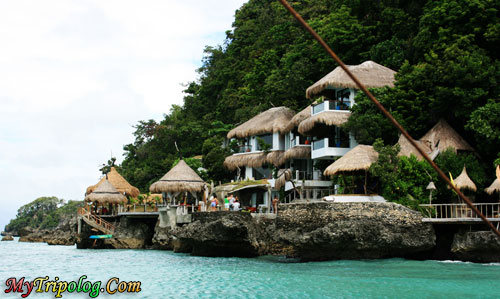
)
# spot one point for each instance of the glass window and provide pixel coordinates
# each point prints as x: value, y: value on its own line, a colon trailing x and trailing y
x: 319, y: 107
x: 268, y: 138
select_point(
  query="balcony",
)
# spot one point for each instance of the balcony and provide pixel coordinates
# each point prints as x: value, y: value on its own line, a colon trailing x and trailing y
x: 332, y: 105
x: 244, y: 149
x: 315, y: 175
x: 329, y: 147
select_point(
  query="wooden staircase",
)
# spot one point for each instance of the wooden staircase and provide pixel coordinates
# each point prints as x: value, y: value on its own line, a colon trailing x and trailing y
x: 96, y: 222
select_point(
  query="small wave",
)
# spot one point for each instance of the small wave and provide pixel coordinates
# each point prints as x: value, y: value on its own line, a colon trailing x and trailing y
x: 454, y: 262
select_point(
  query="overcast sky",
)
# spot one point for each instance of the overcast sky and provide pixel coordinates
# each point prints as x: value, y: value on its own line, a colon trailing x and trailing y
x: 76, y: 75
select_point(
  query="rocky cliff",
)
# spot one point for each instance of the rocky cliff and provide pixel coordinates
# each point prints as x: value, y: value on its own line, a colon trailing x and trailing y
x: 64, y: 234
x: 314, y: 231
x: 479, y: 246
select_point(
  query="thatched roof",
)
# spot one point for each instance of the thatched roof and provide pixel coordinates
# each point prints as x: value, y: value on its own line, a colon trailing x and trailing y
x: 298, y: 152
x: 284, y: 175
x: 494, y: 187
x: 254, y: 160
x: 329, y: 118
x: 463, y: 181
x: 407, y: 149
x: 359, y: 158
x: 443, y: 136
x: 371, y: 74
x: 297, y: 119
x: 118, y: 182
x: 106, y: 193
x: 277, y: 158
x: 270, y: 121
x: 180, y: 178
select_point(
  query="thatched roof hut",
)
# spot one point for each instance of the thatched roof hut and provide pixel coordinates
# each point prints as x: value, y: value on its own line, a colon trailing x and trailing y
x: 284, y: 175
x: 254, y: 160
x: 328, y: 118
x: 180, y: 178
x: 494, y: 187
x: 298, y: 152
x: 359, y: 158
x: 105, y: 193
x: 270, y: 121
x: 463, y: 182
x: 371, y: 74
x: 443, y: 136
x: 298, y: 118
x: 407, y: 149
x: 118, y: 182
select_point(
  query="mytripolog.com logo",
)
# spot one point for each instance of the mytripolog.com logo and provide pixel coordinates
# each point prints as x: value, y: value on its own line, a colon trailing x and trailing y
x: 58, y: 287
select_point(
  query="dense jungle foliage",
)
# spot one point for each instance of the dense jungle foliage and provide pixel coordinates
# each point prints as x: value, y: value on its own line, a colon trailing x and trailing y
x: 446, y: 54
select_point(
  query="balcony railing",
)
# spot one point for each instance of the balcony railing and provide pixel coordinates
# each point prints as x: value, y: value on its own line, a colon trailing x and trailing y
x: 308, y: 175
x: 318, y: 144
x: 331, y: 105
x: 308, y: 194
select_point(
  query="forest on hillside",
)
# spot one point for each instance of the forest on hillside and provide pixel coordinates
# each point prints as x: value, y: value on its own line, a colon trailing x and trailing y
x: 446, y: 54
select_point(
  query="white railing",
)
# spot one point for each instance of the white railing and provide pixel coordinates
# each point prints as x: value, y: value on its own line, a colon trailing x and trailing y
x: 308, y: 175
x: 460, y: 210
x: 308, y: 194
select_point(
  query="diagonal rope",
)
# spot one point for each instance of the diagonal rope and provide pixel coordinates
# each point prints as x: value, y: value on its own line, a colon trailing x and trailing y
x: 387, y: 114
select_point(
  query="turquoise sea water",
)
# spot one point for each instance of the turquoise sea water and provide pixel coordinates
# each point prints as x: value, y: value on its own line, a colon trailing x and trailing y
x: 169, y: 275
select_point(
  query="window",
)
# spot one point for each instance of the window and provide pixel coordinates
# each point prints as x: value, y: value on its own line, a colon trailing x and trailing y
x: 268, y: 139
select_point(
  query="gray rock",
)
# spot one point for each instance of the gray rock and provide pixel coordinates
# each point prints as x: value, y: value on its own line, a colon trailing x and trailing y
x: 480, y: 246
x: 323, y: 231
x: 310, y: 231
x: 216, y: 234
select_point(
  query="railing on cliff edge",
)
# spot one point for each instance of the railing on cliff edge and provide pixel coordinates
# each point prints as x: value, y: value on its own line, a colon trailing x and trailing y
x: 97, y: 221
x: 460, y: 211
x: 387, y: 114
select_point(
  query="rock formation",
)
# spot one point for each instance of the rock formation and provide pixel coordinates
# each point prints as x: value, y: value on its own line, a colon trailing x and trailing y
x: 479, y: 246
x: 314, y: 231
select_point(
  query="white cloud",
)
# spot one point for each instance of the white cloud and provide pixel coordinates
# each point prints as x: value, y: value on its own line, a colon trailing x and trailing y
x: 76, y: 75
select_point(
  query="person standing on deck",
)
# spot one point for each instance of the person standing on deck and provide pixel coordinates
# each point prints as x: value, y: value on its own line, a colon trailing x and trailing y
x: 275, y: 204
x: 226, y: 203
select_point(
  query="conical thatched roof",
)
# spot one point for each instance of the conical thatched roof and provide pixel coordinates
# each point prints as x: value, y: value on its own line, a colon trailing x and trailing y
x: 298, y: 152
x: 329, y: 118
x: 407, y: 149
x: 283, y: 176
x: 254, y: 160
x: 443, y: 136
x: 463, y: 181
x: 118, y: 182
x: 106, y: 193
x: 359, y: 158
x: 270, y: 121
x: 297, y: 119
x: 371, y: 74
x: 494, y: 187
x: 180, y: 178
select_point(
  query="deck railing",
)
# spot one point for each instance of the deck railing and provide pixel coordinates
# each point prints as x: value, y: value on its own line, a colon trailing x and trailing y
x: 308, y: 194
x: 460, y: 210
x: 96, y: 220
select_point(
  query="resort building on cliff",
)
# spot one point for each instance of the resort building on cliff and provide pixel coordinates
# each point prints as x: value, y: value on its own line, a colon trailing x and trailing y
x: 296, y: 142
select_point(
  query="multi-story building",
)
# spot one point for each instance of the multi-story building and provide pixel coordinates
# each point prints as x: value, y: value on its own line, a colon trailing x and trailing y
x: 298, y: 142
